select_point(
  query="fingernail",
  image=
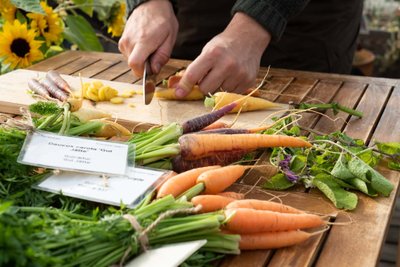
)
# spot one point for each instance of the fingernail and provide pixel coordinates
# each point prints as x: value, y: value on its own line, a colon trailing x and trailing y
x: 179, y: 92
x: 157, y: 67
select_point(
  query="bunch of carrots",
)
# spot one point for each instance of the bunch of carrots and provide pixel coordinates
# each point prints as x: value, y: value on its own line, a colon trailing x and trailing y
x: 261, y: 224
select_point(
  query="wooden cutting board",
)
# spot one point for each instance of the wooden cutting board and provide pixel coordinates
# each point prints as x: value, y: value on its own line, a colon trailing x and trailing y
x: 13, y: 95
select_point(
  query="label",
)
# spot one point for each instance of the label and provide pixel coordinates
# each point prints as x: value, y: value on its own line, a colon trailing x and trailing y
x: 128, y: 189
x: 74, y: 153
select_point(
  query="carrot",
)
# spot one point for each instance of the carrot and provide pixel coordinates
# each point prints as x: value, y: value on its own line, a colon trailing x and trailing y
x: 248, y: 221
x: 271, y: 240
x: 54, y: 91
x: 222, y: 158
x: 165, y: 177
x: 230, y: 194
x: 251, y: 103
x: 194, y: 146
x: 182, y: 182
x: 38, y: 88
x: 233, y: 130
x: 110, y: 129
x: 215, y: 125
x: 217, y: 180
x: 56, y: 78
x: 211, y: 203
x: 169, y: 94
x: 86, y: 114
x: 263, y: 205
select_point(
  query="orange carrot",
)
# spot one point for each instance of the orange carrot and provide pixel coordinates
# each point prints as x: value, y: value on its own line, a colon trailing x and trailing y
x: 215, y: 125
x: 247, y: 221
x: 195, y: 146
x: 263, y: 205
x: 217, y: 180
x: 211, y: 203
x: 231, y: 194
x: 165, y: 177
x: 182, y: 182
x: 271, y: 240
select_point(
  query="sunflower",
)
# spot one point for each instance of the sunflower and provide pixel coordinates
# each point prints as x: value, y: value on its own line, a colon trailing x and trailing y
x: 18, y: 46
x: 7, y: 10
x: 117, y: 21
x: 50, y: 25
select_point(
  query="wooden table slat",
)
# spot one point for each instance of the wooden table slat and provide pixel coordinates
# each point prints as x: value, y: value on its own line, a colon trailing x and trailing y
x: 56, y: 61
x: 96, y: 68
x: 113, y: 72
x: 77, y: 65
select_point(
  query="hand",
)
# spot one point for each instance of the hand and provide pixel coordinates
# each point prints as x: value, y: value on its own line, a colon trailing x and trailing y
x: 230, y: 61
x: 150, y: 30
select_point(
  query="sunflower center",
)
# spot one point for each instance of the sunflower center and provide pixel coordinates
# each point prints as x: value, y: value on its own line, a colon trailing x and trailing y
x: 20, y: 47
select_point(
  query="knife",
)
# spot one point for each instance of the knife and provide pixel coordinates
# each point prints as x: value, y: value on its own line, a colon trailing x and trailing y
x: 149, y: 83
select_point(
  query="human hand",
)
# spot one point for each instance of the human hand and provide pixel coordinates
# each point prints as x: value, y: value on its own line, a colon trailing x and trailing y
x: 150, y: 31
x: 230, y: 61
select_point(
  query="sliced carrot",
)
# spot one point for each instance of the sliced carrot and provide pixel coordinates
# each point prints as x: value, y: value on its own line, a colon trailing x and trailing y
x: 263, y: 205
x: 247, y: 221
x: 211, y: 203
x: 182, y: 182
x: 271, y: 240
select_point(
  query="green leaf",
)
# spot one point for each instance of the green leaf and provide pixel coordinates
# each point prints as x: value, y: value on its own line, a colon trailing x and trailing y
x: 278, y: 182
x: 369, y: 157
x: 390, y: 148
x: 80, y: 32
x: 20, y: 17
x: 29, y: 6
x: 103, y: 8
x: 298, y: 162
x: 366, y: 173
x: 340, y: 169
x: 85, y: 5
x: 363, y: 187
x: 394, y: 166
x: 341, y: 198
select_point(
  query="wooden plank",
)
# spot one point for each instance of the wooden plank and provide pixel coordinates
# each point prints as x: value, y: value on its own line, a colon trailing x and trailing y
x: 388, y: 128
x: 127, y: 77
x: 255, y: 258
x: 297, y: 90
x: 360, y: 243
x: 348, y: 95
x: 165, y: 72
x: 56, y: 61
x: 323, y: 92
x: 96, y: 67
x: 113, y: 72
x: 77, y: 65
x: 372, y: 105
x: 275, y: 86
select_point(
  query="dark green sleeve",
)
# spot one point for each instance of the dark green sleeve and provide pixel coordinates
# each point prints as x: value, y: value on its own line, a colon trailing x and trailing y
x: 271, y: 14
x: 132, y: 4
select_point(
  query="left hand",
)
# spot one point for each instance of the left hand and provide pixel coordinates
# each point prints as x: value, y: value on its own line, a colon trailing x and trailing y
x: 230, y: 60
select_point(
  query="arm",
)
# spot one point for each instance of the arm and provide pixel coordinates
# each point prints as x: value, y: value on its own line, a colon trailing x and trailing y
x: 231, y: 60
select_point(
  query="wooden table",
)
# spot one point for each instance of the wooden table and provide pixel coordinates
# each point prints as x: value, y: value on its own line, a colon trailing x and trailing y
x: 356, y: 244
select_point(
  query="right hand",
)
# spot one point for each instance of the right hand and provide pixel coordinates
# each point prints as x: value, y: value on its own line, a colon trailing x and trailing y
x: 151, y: 30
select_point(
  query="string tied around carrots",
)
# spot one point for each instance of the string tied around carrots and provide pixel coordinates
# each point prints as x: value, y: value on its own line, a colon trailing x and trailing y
x: 142, y: 233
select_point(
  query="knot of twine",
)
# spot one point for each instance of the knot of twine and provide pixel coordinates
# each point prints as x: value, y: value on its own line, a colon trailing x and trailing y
x: 143, y: 233
x: 25, y: 124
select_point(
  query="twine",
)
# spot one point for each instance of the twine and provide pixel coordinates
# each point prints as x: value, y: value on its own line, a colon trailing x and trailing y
x: 143, y: 233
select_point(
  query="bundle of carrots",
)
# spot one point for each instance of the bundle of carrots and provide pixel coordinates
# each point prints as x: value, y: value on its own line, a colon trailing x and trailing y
x: 261, y: 224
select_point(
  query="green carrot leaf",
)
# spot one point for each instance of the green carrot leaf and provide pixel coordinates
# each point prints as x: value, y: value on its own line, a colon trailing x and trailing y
x: 340, y: 169
x: 341, y: 198
x: 278, y: 182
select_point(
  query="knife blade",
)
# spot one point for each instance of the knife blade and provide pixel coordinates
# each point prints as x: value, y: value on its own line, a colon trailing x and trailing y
x: 149, y: 83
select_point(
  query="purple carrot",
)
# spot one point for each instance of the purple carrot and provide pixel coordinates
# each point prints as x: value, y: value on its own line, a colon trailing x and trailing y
x: 198, y: 123
x: 233, y: 130
x: 53, y: 89
x: 222, y: 158
x: 38, y: 88
x: 56, y: 78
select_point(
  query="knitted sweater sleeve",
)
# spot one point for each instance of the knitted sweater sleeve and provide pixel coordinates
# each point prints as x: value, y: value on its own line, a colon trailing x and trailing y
x: 273, y: 15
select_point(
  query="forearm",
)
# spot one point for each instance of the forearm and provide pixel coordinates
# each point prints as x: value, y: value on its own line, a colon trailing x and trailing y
x: 272, y: 15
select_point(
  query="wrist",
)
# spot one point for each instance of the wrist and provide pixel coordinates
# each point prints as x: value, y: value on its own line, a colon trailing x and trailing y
x: 249, y: 29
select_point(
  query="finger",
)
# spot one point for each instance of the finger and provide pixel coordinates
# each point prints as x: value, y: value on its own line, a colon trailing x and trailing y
x: 161, y: 56
x: 212, y: 81
x: 229, y: 85
x: 138, y: 56
x: 193, y: 74
x: 242, y: 87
